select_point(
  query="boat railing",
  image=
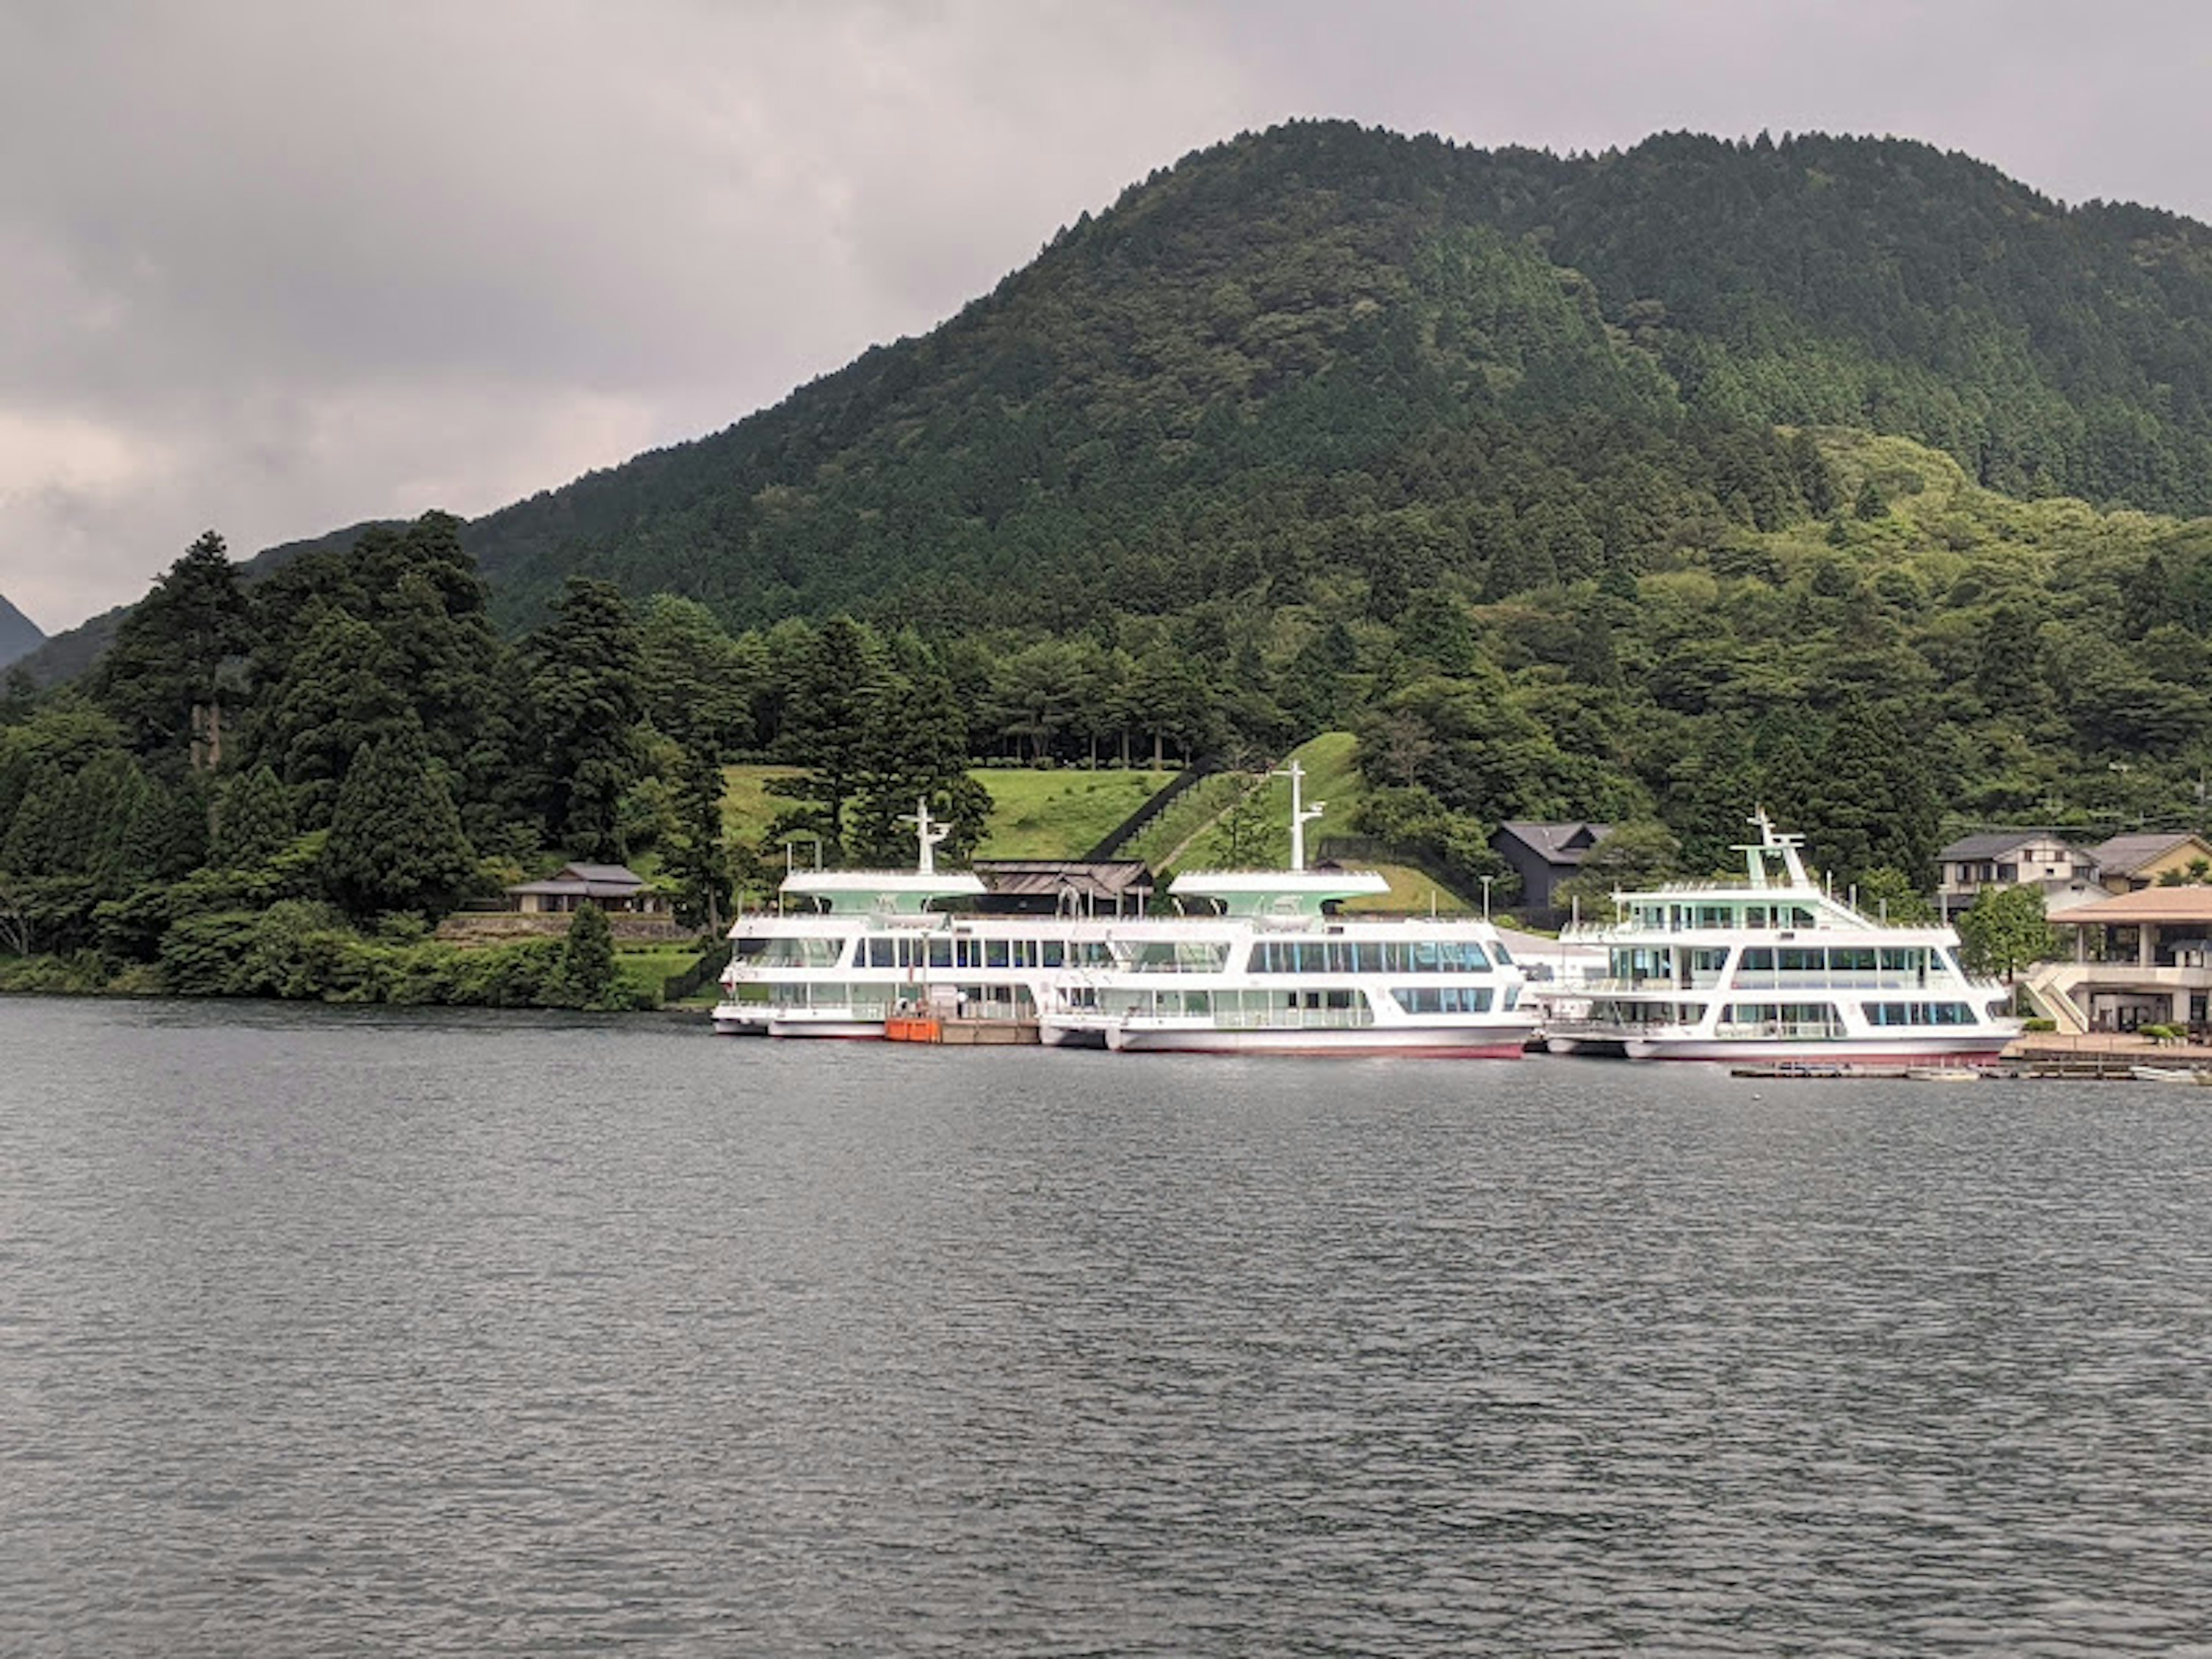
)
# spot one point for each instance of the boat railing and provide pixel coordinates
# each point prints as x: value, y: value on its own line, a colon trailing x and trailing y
x: 1660, y: 984
x: 1812, y: 1031
x: 1297, y: 1019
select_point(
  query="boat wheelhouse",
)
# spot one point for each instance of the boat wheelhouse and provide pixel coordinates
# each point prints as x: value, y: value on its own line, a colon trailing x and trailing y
x: 1775, y: 967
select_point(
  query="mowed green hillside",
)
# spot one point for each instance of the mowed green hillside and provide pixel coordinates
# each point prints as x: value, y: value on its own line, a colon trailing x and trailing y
x: 1059, y: 813
x: 1197, y: 832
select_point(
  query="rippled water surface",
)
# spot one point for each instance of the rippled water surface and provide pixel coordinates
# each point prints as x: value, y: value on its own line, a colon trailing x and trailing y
x: 338, y: 1332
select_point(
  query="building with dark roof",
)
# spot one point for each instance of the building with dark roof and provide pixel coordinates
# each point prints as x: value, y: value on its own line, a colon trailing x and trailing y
x: 1543, y: 855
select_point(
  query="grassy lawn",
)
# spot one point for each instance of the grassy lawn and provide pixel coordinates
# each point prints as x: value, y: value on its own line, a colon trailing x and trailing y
x: 1059, y: 814
x: 1186, y: 817
x: 1412, y: 893
x: 654, y: 964
x: 747, y: 807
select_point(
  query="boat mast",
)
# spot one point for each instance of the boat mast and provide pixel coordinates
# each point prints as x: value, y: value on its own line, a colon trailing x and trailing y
x: 928, y: 834
x: 1301, y: 814
x: 1771, y: 845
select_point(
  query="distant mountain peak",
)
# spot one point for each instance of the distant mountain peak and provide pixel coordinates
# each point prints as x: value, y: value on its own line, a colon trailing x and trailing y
x: 19, y: 634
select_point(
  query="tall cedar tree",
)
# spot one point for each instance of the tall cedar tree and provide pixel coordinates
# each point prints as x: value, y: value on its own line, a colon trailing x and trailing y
x: 396, y: 840
x: 253, y: 820
x: 176, y: 661
x: 700, y: 860
x: 585, y: 694
x: 836, y: 697
x: 588, y: 960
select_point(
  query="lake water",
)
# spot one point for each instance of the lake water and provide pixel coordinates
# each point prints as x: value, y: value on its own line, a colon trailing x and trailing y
x: 330, y: 1331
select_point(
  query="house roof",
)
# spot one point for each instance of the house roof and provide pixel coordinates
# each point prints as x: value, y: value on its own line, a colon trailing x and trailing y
x: 1995, y: 843
x: 587, y: 881
x: 2124, y: 855
x: 1556, y: 843
x: 613, y: 873
x: 2166, y: 905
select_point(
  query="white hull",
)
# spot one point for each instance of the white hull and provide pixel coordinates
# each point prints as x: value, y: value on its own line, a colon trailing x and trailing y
x: 1897, y: 1050
x: 1490, y: 1042
x: 818, y: 1023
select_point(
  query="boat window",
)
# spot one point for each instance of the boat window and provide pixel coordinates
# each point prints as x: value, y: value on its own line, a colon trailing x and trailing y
x: 996, y: 955
x: 940, y: 953
x: 1802, y: 961
x: 1498, y: 949
x: 1919, y: 1013
x: 802, y: 953
x: 1179, y: 957
x: 1055, y: 953
x: 1759, y: 960
x: 1442, y: 999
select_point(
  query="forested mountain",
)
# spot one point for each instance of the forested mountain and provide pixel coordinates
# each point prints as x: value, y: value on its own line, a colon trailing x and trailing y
x: 1324, y: 354
x: 19, y: 634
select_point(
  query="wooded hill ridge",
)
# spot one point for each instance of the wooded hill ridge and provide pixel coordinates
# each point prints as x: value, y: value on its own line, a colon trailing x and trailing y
x: 1565, y: 362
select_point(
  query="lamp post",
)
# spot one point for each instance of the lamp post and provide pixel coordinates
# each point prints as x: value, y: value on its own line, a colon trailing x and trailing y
x: 1486, y: 880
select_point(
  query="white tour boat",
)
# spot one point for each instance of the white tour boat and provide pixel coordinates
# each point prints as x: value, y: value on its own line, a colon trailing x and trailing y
x: 1775, y: 968
x: 846, y: 950
x: 1270, y: 969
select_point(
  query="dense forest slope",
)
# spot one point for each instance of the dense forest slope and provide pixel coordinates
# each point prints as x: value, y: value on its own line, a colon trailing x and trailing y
x: 1323, y: 353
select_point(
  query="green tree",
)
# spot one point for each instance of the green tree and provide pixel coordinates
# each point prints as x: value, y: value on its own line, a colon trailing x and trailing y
x: 585, y: 692
x: 1886, y: 892
x: 177, y: 661
x: 336, y: 693
x: 838, y: 692
x: 1243, y: 835
x: 395, y: 841
x: 700, y: 860
x: 2003, y: 931
x: 588, y: 960
x: 1630, y: 857
x: 253, y: 819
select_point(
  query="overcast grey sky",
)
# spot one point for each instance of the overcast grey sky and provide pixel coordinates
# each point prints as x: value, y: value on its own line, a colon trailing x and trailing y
x: 275, y: 266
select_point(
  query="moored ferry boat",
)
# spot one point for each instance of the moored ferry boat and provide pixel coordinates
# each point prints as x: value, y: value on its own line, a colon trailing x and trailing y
x: 847, y: 950
x: 1268, y: 968
x: 1776, y: 969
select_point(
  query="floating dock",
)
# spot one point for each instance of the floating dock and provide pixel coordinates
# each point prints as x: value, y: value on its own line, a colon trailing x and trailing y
x: 961, y: 1033
x: 1804, y: 1069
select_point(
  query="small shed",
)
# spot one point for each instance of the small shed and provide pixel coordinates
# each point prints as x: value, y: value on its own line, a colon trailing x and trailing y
x: 611, y: 887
